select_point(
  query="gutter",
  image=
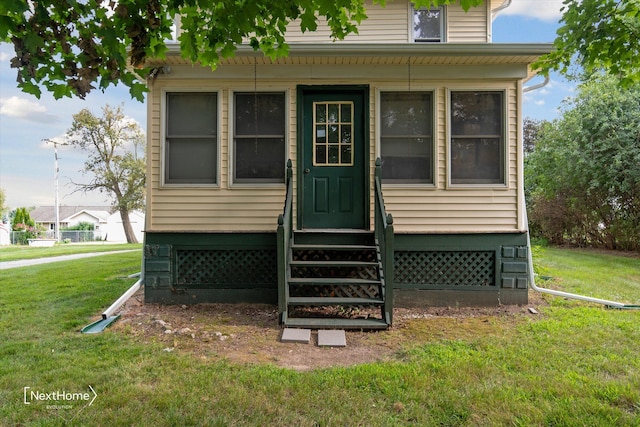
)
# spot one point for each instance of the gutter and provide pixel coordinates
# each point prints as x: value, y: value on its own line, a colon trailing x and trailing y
x: 398, y: 49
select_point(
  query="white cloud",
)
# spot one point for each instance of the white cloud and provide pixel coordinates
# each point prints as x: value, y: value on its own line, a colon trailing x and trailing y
x: 21, y: 108
x: 545, y: 10
x: 4, y: 56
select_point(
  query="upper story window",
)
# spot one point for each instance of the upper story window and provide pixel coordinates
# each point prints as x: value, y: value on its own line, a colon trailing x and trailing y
x: 191, y: 138
x: 406, y: 137
x: 428, y: 25
x: 259, y: 137
x: 477, y: 151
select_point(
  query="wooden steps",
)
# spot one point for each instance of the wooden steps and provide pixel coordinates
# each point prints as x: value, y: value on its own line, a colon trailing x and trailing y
x: 334, y: 280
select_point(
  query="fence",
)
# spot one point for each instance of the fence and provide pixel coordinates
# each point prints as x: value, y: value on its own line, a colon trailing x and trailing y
x: 67, y: 236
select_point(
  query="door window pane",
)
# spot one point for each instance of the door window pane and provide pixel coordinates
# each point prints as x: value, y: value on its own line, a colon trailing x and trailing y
x: 259, y: 139
x: 406, y: 134
x: 477, y: 138
x: 333, y: 137
x: 191, y: 147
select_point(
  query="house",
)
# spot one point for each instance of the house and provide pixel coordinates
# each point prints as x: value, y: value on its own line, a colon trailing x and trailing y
x: 114, y: 231
x: 5, y: 234
x: 107, y: 222
x: 70, y: 216
x: 380, y: 171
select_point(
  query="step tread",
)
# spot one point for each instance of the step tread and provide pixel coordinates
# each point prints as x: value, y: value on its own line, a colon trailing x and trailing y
x: 333, y: 323
x: 332, y: 281
x: 334, y: 301
x: 331, y: 247
x: 330, y: 263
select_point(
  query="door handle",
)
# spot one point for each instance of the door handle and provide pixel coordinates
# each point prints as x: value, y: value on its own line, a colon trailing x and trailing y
x: 307, y: 170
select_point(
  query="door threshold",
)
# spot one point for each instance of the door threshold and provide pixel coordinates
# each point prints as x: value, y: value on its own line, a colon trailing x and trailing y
x: 333, y: 230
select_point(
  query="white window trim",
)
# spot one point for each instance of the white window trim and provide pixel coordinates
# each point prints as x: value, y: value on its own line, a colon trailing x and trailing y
x: 231, y: 133
x: 443, y: 25
x: 378, y: 142
x: 505, y: 185
x: 163, y: 137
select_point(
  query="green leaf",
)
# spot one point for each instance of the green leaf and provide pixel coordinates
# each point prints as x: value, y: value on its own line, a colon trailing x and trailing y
x: 31, y: 88
x: 14, y: 7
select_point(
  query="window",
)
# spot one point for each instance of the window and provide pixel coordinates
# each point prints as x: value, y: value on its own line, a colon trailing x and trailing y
x: 477, y: 138
x: 259, y: 137
x: 406, y: 137
x: 191, y: 146
x: 428, y: 25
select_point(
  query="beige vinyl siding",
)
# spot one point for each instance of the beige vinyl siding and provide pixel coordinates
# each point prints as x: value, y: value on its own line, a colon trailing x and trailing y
x: 383, y: 25
x: 466, y: 27
x: 420, y: 209
x: 392, y: 24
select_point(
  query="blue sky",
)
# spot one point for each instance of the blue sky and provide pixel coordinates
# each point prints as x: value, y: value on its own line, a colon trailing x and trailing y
x: 27, y: 163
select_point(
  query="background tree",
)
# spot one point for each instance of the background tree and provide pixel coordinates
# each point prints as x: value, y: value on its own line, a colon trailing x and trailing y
x: 22, y: 220
x: 69, y: 46
x: 531, y: 128
x: 584, y: 174
x: 3, y: 208
x: 597, y: 36
x: 116, y: 160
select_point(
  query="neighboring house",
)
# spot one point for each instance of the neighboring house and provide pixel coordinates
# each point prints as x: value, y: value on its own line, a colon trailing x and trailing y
x: 115, y: 231
x: 5, y: 234
x: 425, y: 91
x: 70, y: 216
x: 107, y: 222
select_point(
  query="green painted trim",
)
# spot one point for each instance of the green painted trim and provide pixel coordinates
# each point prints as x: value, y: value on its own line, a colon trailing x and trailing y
x: 510, y: 269
x: 236, y: 240
x: 470, y: 242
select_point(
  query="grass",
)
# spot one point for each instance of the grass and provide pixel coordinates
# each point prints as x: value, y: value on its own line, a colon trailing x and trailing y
x: 612, y: 277
x: 17, y: 252
x: 574, y: 364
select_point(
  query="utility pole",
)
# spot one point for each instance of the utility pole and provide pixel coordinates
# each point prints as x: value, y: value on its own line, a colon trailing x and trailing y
x: 55, y: 176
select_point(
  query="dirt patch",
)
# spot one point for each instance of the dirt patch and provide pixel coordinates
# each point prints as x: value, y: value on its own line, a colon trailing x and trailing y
x: 250, y: 334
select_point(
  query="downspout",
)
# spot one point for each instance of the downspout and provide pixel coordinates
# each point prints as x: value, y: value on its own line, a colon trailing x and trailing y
x: 503, y: 6
x: 536, y: 86
x: 493, y: 14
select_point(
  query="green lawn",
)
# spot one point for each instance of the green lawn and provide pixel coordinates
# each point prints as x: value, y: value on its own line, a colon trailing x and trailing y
x: 573, y: 364
x: 17, y: 252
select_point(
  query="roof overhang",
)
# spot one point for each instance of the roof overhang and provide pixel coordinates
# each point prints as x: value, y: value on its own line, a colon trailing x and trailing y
x: 381, y: 54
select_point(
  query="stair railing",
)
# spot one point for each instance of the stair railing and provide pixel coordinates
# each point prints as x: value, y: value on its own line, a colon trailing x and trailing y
x: 384, y: 237
x: 284, y: 235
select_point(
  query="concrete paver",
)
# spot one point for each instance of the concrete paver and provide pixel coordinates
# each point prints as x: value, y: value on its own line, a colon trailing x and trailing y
x: 332, y: 338
x: 296, y: 335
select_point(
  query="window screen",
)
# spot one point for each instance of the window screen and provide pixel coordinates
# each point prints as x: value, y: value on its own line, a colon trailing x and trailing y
x: 477, y: 138
x: 259, y: 137
x: 406, y: 137
x: 191, y: 147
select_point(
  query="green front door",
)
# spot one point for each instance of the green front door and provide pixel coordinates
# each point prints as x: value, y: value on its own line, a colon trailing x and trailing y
x: 333, y: 157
